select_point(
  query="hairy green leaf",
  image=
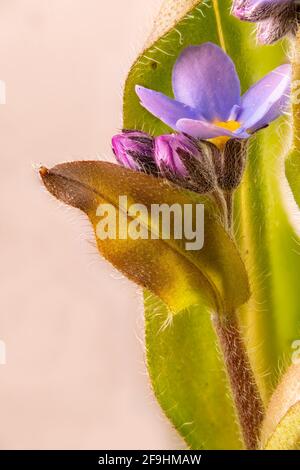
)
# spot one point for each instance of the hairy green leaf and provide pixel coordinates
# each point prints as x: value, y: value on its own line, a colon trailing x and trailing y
x: 281, y: 427
x: 287, y: 433
x: 188, y: 376
x: 292, y: 162
x: 283, y: 411
x: 292, y: 170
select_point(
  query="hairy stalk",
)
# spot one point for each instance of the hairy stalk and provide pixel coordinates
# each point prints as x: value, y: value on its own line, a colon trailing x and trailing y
x: 292, y: 164
x: 228, y: 196
x: 248, y: 402
x: 221, y: 203
x: 246, y: 396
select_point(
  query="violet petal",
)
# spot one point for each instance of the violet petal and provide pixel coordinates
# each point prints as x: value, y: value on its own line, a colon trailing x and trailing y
x: 164, y: 108
x: 265, y: 101
x: 205, y: 78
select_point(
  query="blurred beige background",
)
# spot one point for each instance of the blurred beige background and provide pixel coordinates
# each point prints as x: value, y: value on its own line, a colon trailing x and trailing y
x: 75, y: 375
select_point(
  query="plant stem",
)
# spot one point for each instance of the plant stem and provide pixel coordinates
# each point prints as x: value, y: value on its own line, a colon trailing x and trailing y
x: 247, y: 399
x: 221, y: 203
x: 248, y: 403
x: 228, y: 195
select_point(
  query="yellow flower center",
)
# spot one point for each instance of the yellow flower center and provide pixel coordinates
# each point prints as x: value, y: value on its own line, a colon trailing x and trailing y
x: 221, y: 140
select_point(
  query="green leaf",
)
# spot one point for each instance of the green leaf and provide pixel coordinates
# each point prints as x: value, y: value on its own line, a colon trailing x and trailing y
x: 188, y: 376
x: 281, y: 426
x: 267, y: 239
x: 179, y: 276
x: 287, y: 433
x: 292, y: 171
x: 292, y: 162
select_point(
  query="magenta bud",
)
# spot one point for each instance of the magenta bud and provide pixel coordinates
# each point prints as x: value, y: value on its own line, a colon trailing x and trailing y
x: 185, y: 162
x: 167, y: 150
x: 134, y: 150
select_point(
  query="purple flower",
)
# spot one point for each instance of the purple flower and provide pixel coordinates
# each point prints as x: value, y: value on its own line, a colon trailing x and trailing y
x: 275, y: 18
x: 208, y: 102
x: 134, y: 150
x: 186, y: 162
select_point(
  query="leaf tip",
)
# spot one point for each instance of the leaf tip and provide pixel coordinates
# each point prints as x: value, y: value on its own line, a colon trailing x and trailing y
x: 66, y: 182
x: 43, y: 171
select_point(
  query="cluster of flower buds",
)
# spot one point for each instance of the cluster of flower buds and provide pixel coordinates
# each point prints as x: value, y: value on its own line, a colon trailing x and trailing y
x: 196, y: 165
x: 274, y: 18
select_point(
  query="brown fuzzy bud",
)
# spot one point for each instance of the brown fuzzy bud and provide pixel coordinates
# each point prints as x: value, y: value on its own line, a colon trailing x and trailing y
x: 231, y: 168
